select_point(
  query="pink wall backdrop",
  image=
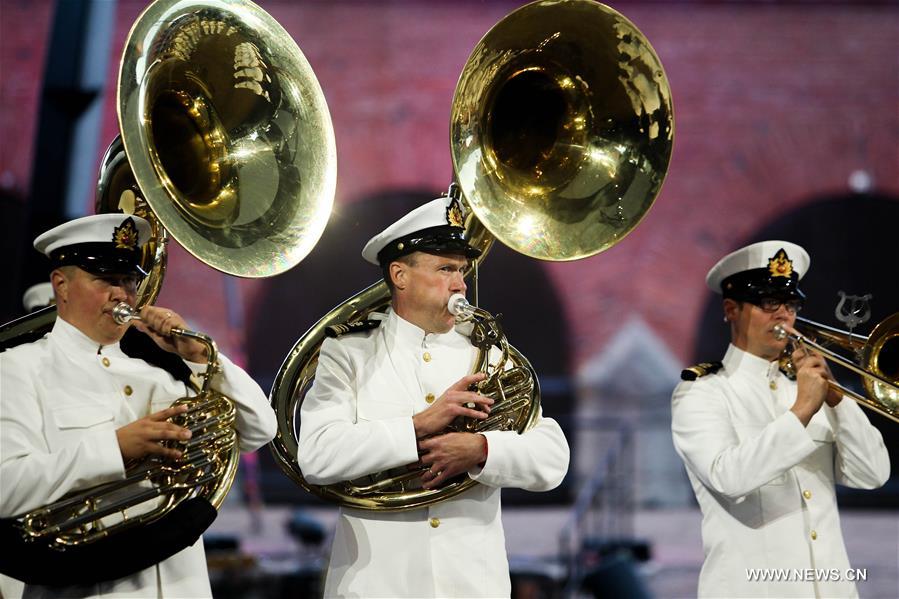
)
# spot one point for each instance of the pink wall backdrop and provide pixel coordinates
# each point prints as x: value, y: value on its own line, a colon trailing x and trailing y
x: 775, y: 104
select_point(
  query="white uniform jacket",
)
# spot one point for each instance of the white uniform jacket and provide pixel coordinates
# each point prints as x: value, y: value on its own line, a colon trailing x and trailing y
x: 357, y: 420
x: 765, y: 483
x: 61, y: 400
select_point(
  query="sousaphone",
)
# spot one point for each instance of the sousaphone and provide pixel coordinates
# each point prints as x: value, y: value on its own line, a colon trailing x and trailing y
x: 226, y: 145
x: 561, y: 133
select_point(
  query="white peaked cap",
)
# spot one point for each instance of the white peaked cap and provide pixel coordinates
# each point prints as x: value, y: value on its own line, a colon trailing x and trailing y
x: 762, y: 260
x: 101, y: 243
x: 437, y: 226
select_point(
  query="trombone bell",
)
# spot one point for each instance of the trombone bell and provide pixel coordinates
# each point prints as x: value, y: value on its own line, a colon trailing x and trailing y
x: 881, y: 356
x: 877, y: 364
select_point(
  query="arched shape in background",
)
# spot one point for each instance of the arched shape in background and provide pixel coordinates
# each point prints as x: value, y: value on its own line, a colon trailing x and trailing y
x: 511, y: 284
x: 851, y: 239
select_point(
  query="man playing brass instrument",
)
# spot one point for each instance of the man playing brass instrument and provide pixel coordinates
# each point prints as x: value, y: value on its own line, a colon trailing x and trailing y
x: 384, y: 392
x: 763, y: 451
x: 78, y: 405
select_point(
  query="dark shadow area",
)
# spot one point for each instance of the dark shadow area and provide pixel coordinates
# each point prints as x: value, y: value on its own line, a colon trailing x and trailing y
x: 335, y: 270
x: 12, y: 215
x: 851, y: 241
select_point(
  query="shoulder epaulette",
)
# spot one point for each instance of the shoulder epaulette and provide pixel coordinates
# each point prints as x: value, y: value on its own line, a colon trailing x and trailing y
x: 694, y: 372
x: 337, y: 330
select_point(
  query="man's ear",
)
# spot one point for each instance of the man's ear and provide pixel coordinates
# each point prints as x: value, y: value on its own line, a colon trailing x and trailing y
x: 398, y: 274
x: 731, y: 310
x: 60, y: 286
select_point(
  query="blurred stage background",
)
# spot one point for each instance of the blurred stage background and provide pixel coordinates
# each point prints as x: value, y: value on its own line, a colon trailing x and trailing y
x: 786, y: 126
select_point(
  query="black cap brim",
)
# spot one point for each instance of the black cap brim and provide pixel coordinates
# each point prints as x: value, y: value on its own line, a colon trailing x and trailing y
x: 755, y: 284
x: 99, y: 259
x: 435, y: 240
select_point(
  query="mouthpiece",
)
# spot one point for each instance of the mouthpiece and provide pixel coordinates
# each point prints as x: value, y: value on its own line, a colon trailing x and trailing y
x: 459, y: 307
x: 780, y: 333
x: 123, y: 313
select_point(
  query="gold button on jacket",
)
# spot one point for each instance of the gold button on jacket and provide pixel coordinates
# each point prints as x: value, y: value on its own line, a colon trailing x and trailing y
x: 128, y: 390
x: 435, y: 522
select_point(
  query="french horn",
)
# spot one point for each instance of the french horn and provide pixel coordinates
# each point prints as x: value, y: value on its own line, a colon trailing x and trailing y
x: 561, y: 133
x: 226, y: 145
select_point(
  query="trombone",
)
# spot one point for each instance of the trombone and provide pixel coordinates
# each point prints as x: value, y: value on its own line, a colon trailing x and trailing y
x: 877, y: 359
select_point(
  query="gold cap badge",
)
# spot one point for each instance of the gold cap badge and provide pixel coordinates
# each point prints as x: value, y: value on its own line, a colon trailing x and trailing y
x: 454, y: 214
x: 125, y: 235
x: 780, y: 265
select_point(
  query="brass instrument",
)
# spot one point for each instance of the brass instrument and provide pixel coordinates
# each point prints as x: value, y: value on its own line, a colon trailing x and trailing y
x: 875, y: 359
x: 515, y: 389
x: 206, y: 468
x: 516, y: 407
x: 227, y: 144
x: 561, y: 134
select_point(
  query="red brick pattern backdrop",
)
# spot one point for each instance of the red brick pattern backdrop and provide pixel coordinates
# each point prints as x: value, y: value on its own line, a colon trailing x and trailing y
x: 775, y: 103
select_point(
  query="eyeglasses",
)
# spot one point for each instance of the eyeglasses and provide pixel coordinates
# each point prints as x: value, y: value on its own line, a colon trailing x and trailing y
x: 771, y: 304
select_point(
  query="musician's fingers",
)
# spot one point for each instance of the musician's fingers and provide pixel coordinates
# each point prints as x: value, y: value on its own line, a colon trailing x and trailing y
x: 438, y: 477
x: 816, y: 361
x: 470, y: 413
x: 470, y: 396
x: 166, y: 431
x: 801, y: 355
x: 163, y: 451
x: 466, y: 381
x: 168, y: 413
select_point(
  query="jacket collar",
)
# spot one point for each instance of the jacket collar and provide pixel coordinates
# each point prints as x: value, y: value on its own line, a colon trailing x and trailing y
x: 737, y: 360
x: 403, y: 331
x: 407, y: 334
x: 71, y: 339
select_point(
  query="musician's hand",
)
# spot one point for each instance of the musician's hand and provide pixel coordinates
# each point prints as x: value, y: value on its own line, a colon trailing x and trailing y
x: 448, y: 455
x: 833, y: 397
x: 803, y: 355
x: 812, y: 377
x: 451, y: 405
x: 142, y: 437
x: 158, y: 323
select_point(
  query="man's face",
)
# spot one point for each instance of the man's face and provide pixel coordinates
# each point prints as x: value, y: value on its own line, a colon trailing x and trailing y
x: 753, y: 327
x: 425, y: 285
x: 86, y: 300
